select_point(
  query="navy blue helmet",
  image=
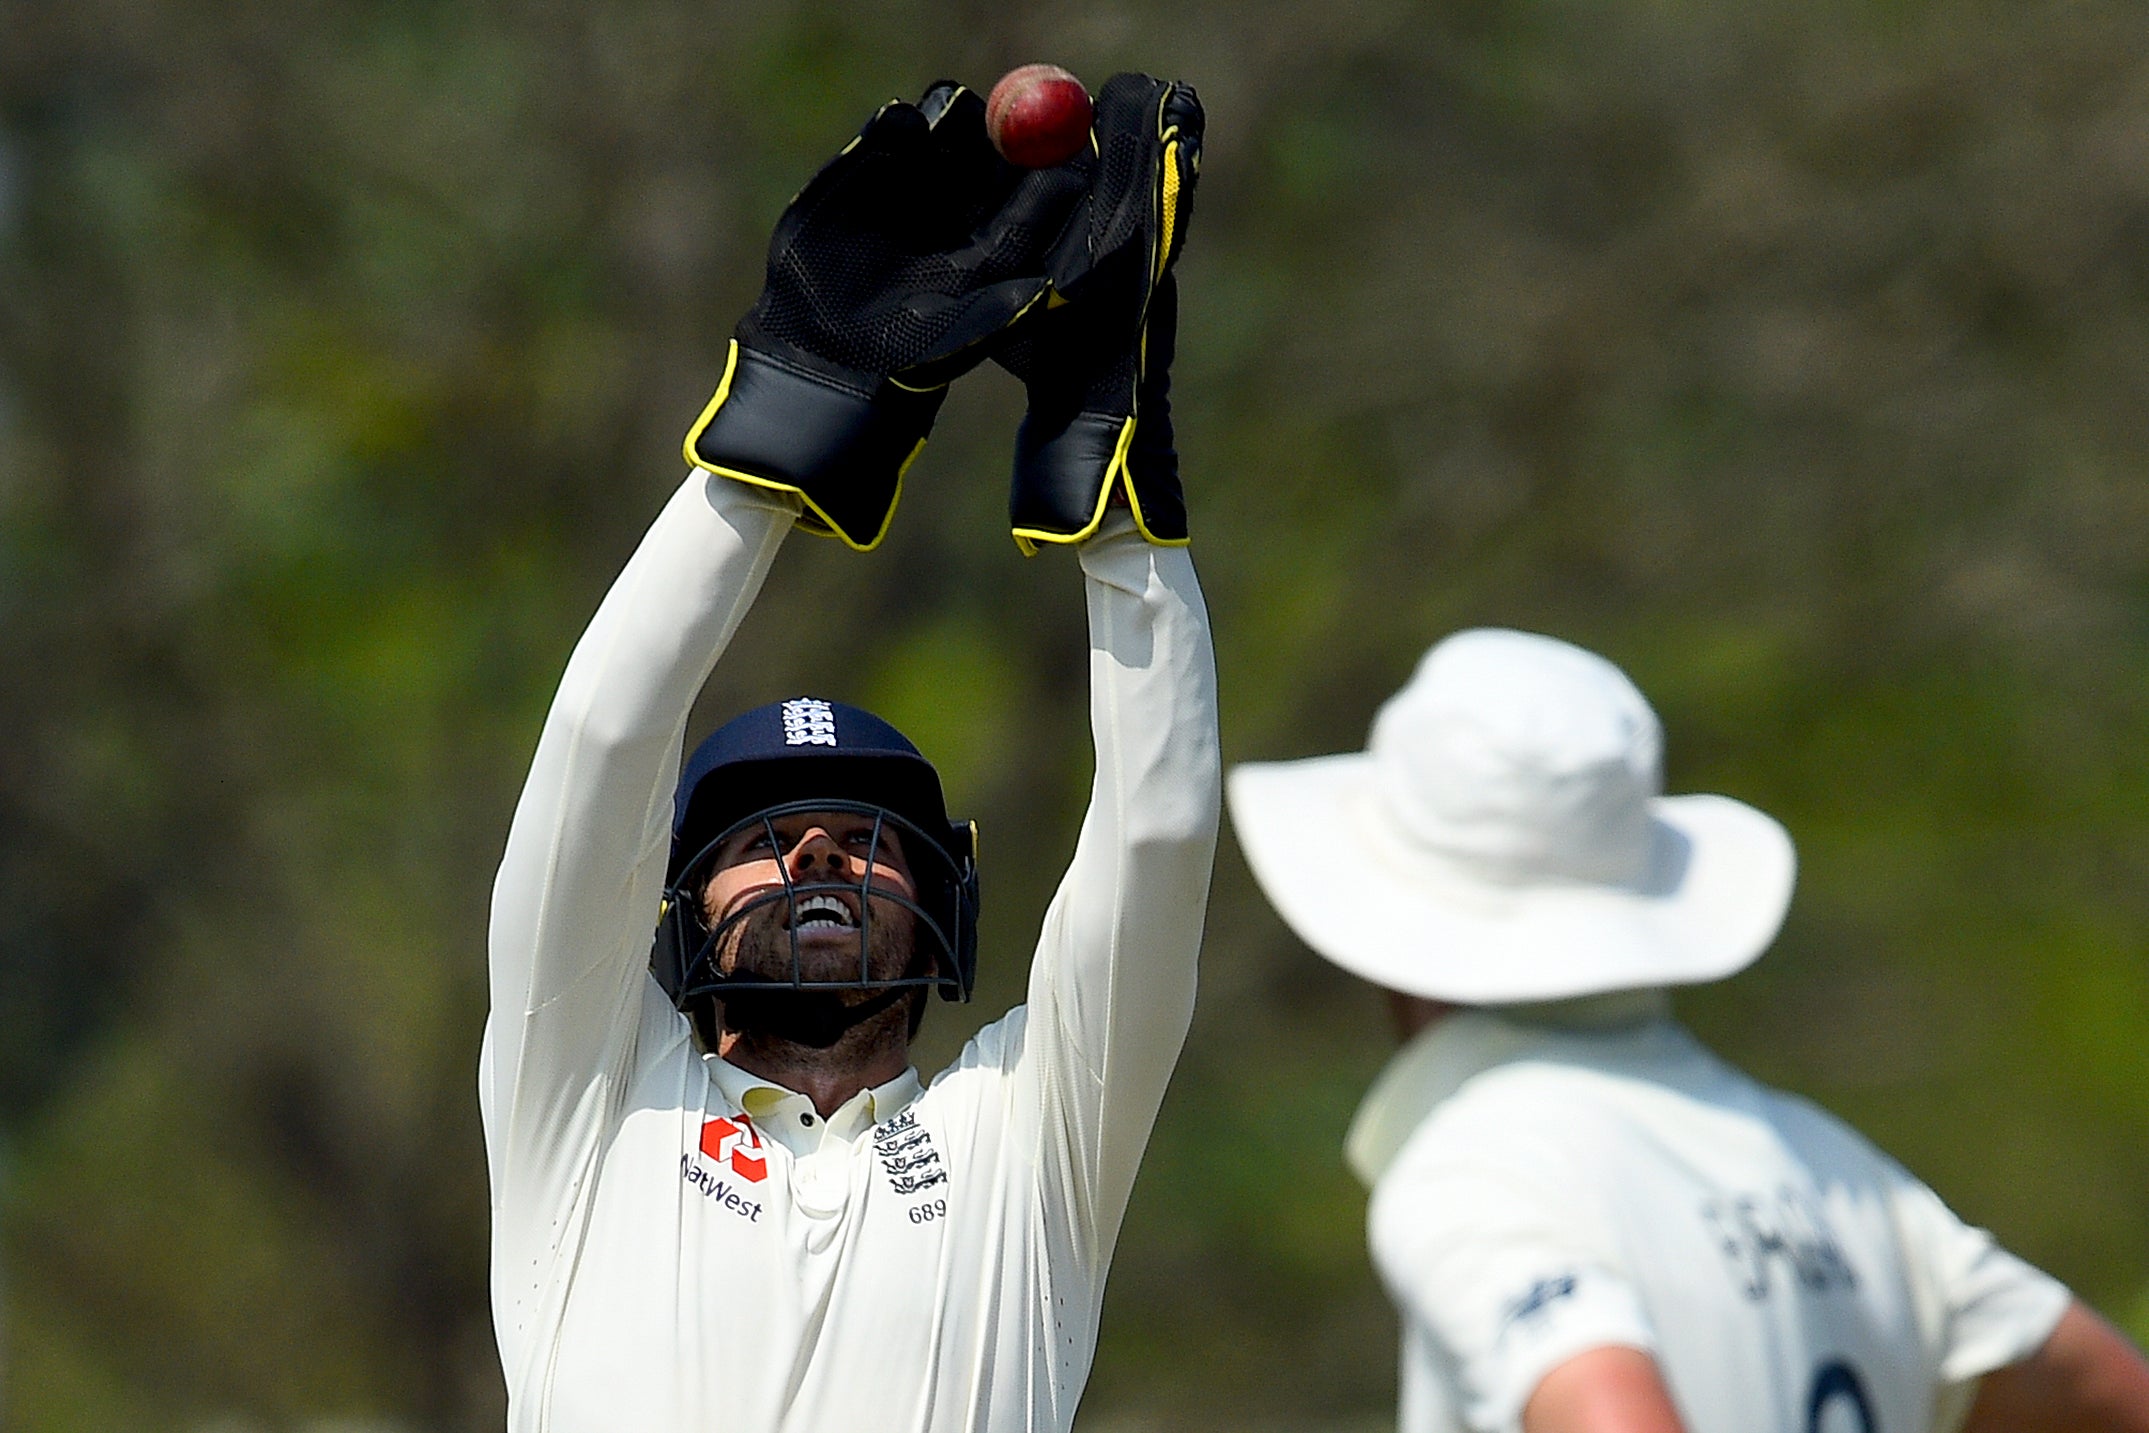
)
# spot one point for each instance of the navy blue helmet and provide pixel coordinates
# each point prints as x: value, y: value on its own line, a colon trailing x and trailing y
x: 801, y: 755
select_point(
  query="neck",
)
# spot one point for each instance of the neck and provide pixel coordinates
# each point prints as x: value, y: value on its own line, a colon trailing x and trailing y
x: 1412, y: 1013
x: 1610, y: 1010
x: 869, y: 1054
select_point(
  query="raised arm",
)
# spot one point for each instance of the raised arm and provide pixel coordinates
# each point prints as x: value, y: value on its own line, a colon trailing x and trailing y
x: 575, y: 900
x: 1112, y: 987
x: 828, y: 391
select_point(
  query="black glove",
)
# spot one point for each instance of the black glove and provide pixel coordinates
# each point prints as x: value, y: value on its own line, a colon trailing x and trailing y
x: 886, y: 275
x: 1096, y: 356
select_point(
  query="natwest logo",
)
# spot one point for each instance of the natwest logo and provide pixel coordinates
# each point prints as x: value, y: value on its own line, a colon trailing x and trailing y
x: 733, y: 1141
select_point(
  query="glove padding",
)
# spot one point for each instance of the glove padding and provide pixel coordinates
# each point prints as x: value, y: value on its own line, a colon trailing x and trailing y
x: 1096, y: 357
x: 886, y: 275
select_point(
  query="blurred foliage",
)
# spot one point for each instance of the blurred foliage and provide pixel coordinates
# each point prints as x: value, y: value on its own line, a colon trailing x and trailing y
x: 1793, y: 354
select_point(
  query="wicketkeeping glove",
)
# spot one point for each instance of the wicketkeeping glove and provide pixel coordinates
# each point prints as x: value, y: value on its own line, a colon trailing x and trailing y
x: 886, y: 274
x: 1096, y: 357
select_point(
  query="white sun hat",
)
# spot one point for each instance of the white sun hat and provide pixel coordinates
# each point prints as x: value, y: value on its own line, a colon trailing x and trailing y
x: 1503, y: 838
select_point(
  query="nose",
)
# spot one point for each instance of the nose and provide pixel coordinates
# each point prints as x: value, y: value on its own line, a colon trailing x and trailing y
x: 817, y: 850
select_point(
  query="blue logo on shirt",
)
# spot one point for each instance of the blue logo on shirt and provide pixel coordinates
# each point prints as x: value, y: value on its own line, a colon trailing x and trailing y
x: 1760, y: 1233
x: 1542, y: 1295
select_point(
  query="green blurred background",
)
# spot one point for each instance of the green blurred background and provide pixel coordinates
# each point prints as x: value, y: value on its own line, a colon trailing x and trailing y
x: 1794, y: 353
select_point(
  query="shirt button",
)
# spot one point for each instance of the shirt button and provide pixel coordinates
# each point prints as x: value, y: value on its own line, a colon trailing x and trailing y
x: 806, y: 1120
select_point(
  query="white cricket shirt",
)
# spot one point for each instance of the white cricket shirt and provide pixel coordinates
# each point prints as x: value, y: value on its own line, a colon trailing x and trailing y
x: 678, y: 1245
x: 1542, y: 1191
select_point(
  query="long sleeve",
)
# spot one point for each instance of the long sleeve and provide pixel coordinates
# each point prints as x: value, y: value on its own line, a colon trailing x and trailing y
x: 1112, y: 985
x: 575, y: 900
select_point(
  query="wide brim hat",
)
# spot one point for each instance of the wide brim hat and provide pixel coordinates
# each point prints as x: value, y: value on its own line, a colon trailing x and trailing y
x: 1504, y: 838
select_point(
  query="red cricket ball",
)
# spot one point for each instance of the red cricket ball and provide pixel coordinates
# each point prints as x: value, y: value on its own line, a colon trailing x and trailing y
x: 1038, y: 116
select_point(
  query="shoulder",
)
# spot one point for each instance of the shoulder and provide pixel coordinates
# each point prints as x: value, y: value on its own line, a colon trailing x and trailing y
x: 986, y: 1056
x: 1533, y: 1113
x: 1567, y: 1131
x: 1825, y: 1140
x: 1500, y: 1153
x: 1580, y: 1108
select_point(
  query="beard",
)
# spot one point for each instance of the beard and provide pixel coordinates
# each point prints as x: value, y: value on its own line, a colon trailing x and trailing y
x: 761, y: 950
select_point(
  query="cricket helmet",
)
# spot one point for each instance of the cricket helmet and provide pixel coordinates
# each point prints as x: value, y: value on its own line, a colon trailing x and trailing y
x: 800, y: 755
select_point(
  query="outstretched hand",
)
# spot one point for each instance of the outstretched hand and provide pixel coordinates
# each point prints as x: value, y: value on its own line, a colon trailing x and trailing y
x: 1096, y: 357
x: 915, y: 252
x: 887, y: 274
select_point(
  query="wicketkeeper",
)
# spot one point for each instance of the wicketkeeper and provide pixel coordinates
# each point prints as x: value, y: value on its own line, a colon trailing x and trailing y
x: 1590, y: 1223
x: 722, y: 1198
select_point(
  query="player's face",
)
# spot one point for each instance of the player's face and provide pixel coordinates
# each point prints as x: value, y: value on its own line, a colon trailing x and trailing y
x: 837, y: 851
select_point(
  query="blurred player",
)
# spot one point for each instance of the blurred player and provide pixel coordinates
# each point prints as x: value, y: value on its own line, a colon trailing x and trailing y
x: 721, y: 1198
x: 1588, y: 1222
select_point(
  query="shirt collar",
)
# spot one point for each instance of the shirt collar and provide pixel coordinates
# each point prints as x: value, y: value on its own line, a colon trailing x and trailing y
x: 1442, y: 1058
x: 789, y: 1117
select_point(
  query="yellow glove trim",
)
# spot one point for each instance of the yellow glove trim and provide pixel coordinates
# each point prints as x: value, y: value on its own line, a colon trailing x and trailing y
x: 1026, y: 538
x: 1171, y: 204
x: 1115, y: 476
x: 1126, y: 477
x: 716, y: 401
x: 812, y: 519
x: 1141, y: 524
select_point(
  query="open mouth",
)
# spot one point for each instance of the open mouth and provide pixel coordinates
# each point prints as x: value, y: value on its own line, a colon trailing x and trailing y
x: 822, y: 914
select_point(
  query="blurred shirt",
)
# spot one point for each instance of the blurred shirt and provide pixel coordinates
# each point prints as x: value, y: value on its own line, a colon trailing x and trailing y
x: 1539, y: 1191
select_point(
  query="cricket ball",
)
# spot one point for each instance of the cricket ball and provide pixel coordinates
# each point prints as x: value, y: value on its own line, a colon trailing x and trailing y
x: 1038, y: 116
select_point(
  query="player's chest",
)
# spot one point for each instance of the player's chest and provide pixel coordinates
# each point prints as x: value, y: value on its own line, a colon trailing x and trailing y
x: 711, y: 1190
x: 895, y: 1177
x: 706, y: 1234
